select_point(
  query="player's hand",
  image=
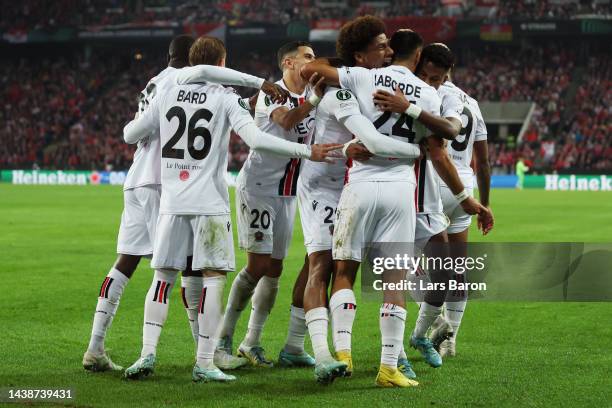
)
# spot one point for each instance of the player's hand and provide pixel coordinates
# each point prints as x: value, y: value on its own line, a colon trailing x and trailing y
x: 486, y: 221
x: 276, y: 92
x: 396, y: 102
x: 359, y: 152
x: 325, y: 152
x: 317, y: 84
x: 473, y: 207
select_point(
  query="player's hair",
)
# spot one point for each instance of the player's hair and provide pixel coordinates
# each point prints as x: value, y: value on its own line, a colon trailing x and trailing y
x: 438, y: 54
x: 289, y: 48
x: 178, y: 51
x: 356, y: 35
x: 207, y: 51
x: 404, y: 43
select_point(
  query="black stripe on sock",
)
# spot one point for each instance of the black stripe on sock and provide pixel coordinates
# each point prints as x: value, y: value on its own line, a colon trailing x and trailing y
x: 157, y: 291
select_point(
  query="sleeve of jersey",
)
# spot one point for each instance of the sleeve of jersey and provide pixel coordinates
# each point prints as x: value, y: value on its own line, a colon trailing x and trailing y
x: 376, y: 143
x: 345, y: 107
x: 481, y: 130
x: 218, y: 75
x: 452, y: 107
x: 145, y: 125
x: 350, y: 77
x: 261, y: 141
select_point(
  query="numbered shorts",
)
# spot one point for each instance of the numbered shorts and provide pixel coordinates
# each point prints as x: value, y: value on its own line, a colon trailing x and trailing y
x: 208, y: 238
x: 459, y: 219
x: 265, y: 223
x: 138, y: 220
x: 428, y: 225
x: 317, y: 214
x: 370, y: 212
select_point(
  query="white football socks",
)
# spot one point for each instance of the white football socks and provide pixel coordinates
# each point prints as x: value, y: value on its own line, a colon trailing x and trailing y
x: 209, y: 317
x: 297, y: 331
x: 427, y: 315
x: 392, y: 323
x: 261, y: 306
x: 317, y: 322
x: 108, y: 302
x: 191, y: 291
x: 454, y: 313
x: 156, y: 309
x: 239, y: 296
x: 343, y: 309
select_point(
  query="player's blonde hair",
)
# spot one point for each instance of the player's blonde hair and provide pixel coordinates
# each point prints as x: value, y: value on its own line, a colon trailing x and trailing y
x: 207, y: 51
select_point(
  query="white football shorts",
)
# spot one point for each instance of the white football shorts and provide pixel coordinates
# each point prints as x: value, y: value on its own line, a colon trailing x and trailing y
x: 265, y: 223
x: 318, y: 213
x: 370, y: 212
x: 428, y: 225
x: 207, y: 237
x: 459, y: 219
x: 138, y: 220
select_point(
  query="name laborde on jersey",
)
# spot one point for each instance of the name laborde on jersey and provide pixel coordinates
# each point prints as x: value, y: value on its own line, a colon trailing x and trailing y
x: 407, y: 89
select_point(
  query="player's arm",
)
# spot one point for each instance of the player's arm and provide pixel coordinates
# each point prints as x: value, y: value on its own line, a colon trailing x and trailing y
x: 483, y: 170
x: 288, y: 118
x: 448, y: 172
x: 377, y: 143
x: 323, y: 68
x: 144, y: 124
x: 243, y: 124
x: 228, y: 76
x: 397, y: 102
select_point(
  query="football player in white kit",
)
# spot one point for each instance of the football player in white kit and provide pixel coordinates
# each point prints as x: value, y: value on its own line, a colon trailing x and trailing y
x: 265, y: 203
x: 141, y: 191
x: 370, y: 209
x: 436, y: 64
x: 193, y: 123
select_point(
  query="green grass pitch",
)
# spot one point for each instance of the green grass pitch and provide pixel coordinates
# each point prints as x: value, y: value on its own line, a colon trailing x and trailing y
x: 57, y: 244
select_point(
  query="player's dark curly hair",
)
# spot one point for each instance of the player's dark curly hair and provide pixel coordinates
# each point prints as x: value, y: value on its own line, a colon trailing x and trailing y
x: 438, y: 54
x: 356, y: 35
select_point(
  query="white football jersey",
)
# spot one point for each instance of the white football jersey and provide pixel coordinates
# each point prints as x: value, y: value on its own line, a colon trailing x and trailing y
x: 335, y: 105
x: 145, y: 169
x: 363, y: 83
x: 194, y: 123
x: 473, y: 130
x: 269, y: 174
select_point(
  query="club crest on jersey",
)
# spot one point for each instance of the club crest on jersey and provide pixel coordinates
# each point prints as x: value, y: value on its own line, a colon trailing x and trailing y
x: 242, y: 104
x: 259, y: 236
x: 184, y: 175
x: 314, y: 204
x: 343, y: 95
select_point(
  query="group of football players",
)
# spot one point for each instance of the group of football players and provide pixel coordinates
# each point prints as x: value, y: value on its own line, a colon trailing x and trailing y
x: 374, y: 146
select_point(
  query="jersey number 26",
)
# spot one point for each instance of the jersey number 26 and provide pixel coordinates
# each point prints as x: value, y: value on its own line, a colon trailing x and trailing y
x: 168, y: 151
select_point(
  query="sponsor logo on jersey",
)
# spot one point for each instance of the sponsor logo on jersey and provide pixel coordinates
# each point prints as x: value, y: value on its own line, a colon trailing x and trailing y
x: 229, y: 226
x: 343, y: 95
x: 184, y: 175
x: 259, y: 236
x: 242, y: 104
x: 314, y: 204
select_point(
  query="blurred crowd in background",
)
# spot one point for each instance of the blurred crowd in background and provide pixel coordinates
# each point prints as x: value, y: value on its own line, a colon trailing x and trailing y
x: 68, y: 112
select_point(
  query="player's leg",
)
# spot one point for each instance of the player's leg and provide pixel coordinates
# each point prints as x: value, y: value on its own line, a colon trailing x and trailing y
x: 254, y: 216
x: 173, y: 244
x: 213, y: 254
x: 191, y: 291
x: 293, y: 353
x: 454, y: 307
x: 436, y: 249
x: 135, y: 239
x: 395, y: 223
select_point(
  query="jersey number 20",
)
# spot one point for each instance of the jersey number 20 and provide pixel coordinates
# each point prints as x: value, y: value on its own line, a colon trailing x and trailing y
x: 170, y: 152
